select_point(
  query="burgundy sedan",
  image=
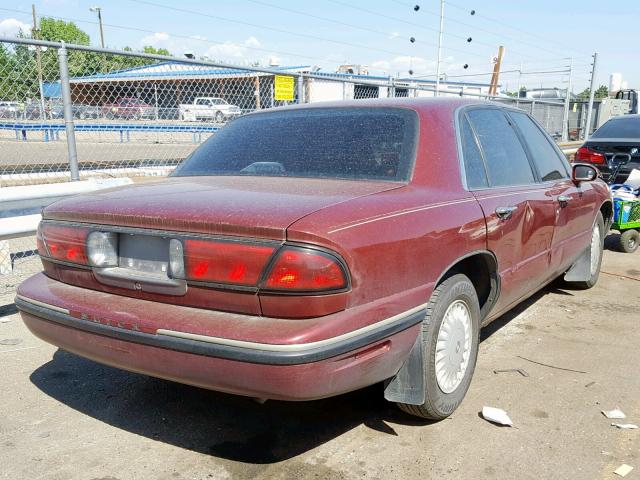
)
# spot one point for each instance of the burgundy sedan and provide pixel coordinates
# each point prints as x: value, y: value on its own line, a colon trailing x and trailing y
x: 308, y: 251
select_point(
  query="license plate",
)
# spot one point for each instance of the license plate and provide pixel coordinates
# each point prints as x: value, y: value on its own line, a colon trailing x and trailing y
x: 144, y: 253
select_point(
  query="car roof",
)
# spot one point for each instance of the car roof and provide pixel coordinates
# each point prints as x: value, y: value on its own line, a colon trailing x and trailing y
x: 628, y: 117
x: 420, y: 105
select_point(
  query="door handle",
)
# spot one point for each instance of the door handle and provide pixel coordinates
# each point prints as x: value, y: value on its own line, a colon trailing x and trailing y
x: 505, y: 212
x: 564, y: 199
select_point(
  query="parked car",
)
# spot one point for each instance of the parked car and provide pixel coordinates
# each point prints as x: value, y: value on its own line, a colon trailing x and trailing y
x: 128, y: 108
x: 617, y: 136
x: 208, y: 108
x: 9, y: 109
x: 307, y: 251
x: 83, y: 112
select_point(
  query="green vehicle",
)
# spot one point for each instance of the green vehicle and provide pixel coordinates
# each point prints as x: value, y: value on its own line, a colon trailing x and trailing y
x: 626, y: 213
x: 627, y: 221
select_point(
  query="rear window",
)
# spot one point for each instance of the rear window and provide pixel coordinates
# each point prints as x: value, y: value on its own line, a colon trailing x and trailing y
x: 348, y: 143
x: 619, y: 128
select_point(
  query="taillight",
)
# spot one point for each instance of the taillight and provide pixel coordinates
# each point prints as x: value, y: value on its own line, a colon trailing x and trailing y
x: 225, y: 262
x: 302, y: 269
x: 102, y: 249
x: 585, y: 154
x: 65, y: 243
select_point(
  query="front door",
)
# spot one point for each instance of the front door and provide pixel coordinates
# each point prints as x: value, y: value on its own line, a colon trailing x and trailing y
x: 574, y: 205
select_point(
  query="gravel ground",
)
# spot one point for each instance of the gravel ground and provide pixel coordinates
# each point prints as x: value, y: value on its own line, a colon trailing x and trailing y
x: 64, y: 417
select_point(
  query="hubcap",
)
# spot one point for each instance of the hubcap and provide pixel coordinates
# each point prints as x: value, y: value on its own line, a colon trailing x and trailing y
x: 595, y: 249
x: 453, y: 346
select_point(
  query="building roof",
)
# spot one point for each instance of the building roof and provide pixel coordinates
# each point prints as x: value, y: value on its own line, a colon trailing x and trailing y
x: 179, y: 70
x: 403, y: 80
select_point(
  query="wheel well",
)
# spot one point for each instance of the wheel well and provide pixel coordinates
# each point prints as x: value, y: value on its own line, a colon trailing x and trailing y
x: 482, y: 269
x: 607, y: 214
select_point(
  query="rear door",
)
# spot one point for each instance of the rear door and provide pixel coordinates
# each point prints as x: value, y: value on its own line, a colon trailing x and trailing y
x: 574, y: 205
x: 519, y: 213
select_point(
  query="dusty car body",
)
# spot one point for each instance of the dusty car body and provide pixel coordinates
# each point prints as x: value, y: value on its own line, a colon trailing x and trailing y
x: 405, y: 259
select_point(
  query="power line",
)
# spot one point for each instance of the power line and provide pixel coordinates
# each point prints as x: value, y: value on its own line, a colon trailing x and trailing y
x: 172, y: 35
x: 474, y: 27
x: 254, y: 25
x: 511, y: 27
x: 423, y: 27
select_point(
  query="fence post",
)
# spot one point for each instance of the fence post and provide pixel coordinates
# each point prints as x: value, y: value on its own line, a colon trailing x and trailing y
x: 565, y: 113
x: 587, y: 128
x: 300, y: 89
x: 68, y: 113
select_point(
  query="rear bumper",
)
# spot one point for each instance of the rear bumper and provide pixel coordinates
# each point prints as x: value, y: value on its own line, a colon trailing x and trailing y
x: 300, y: 371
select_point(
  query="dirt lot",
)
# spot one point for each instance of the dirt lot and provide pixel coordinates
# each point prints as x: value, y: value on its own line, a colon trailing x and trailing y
x: 64, y: 417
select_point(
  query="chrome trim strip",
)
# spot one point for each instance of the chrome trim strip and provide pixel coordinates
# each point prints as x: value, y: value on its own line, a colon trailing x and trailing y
x: 42, y: 304
x: 257, y: 353
x: 295, y: 347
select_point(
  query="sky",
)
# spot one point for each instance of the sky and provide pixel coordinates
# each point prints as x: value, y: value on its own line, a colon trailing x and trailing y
x: 541, y: 38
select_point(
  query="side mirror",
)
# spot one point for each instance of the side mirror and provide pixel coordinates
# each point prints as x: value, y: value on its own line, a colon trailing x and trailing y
x: 583, y: 172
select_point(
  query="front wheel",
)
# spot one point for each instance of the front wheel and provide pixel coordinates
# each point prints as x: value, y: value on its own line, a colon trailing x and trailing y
x: 595, y: 256
x: 629, y: 240
x: 219, y: 117
x: 450, y: 337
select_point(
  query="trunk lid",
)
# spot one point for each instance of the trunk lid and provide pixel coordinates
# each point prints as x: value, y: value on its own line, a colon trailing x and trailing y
x: 258, y: 207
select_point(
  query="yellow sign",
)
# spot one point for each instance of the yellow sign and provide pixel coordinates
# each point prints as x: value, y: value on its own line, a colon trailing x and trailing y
x: 283, y: 88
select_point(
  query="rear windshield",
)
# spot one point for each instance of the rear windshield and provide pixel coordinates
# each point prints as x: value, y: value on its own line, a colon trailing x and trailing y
x: 349, y: 143
x: 619, y: 128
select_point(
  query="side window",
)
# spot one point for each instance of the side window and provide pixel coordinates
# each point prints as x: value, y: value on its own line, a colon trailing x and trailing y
x: 201, y: 101
x: 550, y: 166
x: 504, y: 155
x: 473, y: 163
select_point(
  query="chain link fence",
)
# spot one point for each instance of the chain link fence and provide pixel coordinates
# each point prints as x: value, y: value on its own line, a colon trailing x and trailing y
x: 73, y: 112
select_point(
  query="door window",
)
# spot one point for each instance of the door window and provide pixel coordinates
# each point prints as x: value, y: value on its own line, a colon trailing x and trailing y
x: 473, y: 164
x: 546, y: 158
x: 506, y: 161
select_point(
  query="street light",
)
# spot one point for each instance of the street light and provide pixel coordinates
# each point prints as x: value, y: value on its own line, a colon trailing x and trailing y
x: 98, y: 10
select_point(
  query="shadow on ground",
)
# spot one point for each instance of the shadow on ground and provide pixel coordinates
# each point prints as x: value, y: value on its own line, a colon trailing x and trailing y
x: 612, y: 242
x: 225, y: 426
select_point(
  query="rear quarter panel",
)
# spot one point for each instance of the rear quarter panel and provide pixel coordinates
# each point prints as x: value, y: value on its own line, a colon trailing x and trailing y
x: 398, y: 243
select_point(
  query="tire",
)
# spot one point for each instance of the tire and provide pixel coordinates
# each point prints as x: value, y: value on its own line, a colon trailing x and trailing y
x: 629, y: 240
x: 219, y: 117
x: 595, y: 262
x: 454, y: 296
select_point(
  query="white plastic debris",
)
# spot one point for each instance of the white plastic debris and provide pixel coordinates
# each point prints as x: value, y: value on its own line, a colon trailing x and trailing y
x: 496, y: 415
x: 634, y: 178
x: 623, y: 470
x: 615, y: 414
x: 625, y: 426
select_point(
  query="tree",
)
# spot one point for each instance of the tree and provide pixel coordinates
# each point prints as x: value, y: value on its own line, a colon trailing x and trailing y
x: 59, y: 30
x: 601, y: 92
x: 155, y: 51
x: 18, y: 67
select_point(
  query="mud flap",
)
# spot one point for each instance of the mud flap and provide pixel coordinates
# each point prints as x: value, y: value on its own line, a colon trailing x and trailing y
x: 580, y: 271
x: 408, y: 385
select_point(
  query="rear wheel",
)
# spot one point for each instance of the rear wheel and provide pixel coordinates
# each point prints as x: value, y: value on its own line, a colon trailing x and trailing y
x: 629, y: 240
x: 219, y: 117
x: 450, y: 335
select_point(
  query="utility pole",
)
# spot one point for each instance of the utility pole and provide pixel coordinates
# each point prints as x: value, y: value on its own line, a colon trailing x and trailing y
x: 565, y: 116
x: 34, y: 34
x: 440, y: 47
x: 587, y: 128
x: 493, y: 89
x: 98, y: 10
